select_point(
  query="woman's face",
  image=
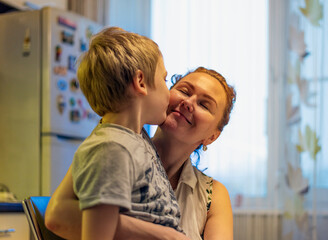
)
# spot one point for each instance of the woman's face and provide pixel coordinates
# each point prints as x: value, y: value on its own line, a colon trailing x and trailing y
x: 196, y: 106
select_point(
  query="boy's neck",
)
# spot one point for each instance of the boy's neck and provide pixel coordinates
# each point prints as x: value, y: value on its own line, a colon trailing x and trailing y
x: 130, y: 118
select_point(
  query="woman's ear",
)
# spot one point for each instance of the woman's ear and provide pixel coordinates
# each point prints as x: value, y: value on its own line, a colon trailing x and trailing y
x: 212, y: 138
x: 139, y: 84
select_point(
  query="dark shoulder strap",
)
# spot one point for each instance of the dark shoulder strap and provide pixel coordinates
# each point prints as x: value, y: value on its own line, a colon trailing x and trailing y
x: 209, y: 193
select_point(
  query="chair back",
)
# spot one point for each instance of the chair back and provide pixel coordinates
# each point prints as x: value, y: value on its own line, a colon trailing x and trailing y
x: 35, y: 208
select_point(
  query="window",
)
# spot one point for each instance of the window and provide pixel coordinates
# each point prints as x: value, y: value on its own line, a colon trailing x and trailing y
x: 232, y: 38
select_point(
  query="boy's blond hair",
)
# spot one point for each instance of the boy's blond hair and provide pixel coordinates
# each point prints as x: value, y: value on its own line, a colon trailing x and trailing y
x: 108, y: 67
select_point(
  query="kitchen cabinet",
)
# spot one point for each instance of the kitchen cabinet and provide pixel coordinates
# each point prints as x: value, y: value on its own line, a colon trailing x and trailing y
x: 13, y: 222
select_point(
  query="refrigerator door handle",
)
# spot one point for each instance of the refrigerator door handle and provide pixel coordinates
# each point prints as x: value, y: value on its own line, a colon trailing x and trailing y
x: 63, y: 137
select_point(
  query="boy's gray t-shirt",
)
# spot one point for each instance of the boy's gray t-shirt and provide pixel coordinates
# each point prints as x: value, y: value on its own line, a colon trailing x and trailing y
x: 116, y: 166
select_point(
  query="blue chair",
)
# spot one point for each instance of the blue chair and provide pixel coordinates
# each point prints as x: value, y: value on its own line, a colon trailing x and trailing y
x: 35, y: 208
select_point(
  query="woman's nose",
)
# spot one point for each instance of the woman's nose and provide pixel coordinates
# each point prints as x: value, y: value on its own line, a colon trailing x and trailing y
x: 187, y: 104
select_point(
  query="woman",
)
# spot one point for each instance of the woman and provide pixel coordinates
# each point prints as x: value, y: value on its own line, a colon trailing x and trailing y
x: 199, y: 108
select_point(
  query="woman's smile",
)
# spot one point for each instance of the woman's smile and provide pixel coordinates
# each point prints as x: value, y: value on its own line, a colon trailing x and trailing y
x: 181, y: 115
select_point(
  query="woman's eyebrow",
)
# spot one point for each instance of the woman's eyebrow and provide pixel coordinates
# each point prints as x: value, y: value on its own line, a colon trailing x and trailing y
x: 204, y: 94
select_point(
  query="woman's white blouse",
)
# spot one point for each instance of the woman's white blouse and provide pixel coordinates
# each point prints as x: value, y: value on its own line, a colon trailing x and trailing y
x: 194, y: 192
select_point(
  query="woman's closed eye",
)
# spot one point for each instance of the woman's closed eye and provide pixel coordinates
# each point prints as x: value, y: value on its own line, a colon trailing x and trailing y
x: 184, y: 91
x: 204, y: 105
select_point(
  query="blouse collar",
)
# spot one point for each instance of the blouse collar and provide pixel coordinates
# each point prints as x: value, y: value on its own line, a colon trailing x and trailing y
x: 188, y: 175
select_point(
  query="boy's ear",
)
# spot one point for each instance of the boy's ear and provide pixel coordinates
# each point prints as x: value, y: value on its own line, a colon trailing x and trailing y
x: 139, y: 83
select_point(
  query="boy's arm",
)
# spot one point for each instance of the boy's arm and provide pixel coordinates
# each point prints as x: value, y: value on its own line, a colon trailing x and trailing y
x: 99, y: 222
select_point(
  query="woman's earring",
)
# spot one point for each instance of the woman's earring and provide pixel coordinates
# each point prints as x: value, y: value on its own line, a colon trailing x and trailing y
x: 204, y: 148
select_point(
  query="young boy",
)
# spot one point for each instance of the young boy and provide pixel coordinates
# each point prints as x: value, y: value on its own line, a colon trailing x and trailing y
x: 116, y: 169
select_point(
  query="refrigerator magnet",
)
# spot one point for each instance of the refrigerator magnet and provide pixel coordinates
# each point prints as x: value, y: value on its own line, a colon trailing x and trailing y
x: 74, y: 85
x: 27, y: 43
x: 83, y: 45
x: 85, y: 114
x: 60, y: 70
x: 67, y: 23
x: 61, y: 104
x: 58, y: 51
x: 79, y: 102
x: 89, y: 114
x: 75, y: 115
x: 71, y: 63
x: 89, y: 32
x: 84, y: 111
x: 72, y: 102
x: 62, y: 84
x: 67, y: 37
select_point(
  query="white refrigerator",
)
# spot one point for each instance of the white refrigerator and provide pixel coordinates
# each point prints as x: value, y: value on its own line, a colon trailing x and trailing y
x: 43, y: 113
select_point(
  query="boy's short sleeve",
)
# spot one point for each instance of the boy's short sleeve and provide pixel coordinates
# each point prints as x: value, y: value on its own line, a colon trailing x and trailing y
x: 103, y: 174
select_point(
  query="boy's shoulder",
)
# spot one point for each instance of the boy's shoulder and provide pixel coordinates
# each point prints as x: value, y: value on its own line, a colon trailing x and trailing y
x: 105, y: 133
x: 113, y: 133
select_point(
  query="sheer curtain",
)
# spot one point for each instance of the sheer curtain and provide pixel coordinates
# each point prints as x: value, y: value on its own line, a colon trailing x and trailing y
x: 232, y: 38
x: 305, y: 189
